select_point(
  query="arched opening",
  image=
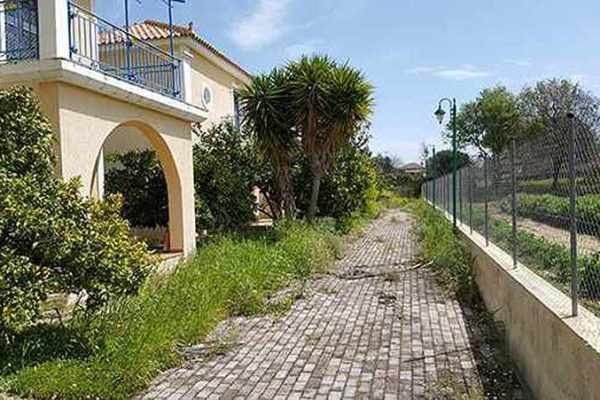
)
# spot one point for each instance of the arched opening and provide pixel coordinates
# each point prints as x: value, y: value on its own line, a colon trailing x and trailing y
x: 136, y: 162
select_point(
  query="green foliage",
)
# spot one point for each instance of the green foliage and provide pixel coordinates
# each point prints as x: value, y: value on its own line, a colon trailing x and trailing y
x: 133, y: 339
x: 490, y: 122
x: 349, y: 187
x: 139, y: 178
x: 51, y: 239
x: 225, y: 171
x: 315, y: 102
x: 392, y: 176
x: 267, y: 107
x: 441, y: 163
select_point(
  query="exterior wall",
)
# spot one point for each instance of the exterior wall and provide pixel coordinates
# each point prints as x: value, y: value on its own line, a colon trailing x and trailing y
x: 83, y: 120
x: 222, y: 85
x: 558, y: 355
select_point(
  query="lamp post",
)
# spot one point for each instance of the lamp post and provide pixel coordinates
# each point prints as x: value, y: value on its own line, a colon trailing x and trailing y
x: 440, y: 114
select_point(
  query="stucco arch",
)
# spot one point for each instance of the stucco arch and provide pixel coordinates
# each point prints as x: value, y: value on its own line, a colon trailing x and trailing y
x: 83, y: 120
x: 169, y: 167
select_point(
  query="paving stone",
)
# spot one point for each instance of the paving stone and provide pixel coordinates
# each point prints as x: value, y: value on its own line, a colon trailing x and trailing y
x: 373, y: 329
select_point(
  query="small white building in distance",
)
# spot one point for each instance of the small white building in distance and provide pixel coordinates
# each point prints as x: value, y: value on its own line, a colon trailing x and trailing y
x: 413, y: 169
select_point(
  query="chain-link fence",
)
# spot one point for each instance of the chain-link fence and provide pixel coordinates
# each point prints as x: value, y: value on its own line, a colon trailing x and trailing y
x: 539, y: 201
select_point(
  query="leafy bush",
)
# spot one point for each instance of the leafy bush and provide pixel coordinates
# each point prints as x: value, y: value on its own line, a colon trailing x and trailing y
x: 350, y: 187
x: 135, y: 338
x: 225, y: 170
x: 138, y: 176
x: 51, y: 239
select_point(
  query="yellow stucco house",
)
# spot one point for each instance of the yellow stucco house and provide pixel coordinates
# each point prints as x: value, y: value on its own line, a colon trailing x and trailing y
x: 105, y: 89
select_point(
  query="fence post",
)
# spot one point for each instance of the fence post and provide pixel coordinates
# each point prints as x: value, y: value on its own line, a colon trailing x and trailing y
x: 486, y: 194
x: 471, y: 199
x: 513, y: 176
x: 573, y: 216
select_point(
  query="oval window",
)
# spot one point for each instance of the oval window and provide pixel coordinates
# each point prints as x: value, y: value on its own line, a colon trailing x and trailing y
x: 206, y: 96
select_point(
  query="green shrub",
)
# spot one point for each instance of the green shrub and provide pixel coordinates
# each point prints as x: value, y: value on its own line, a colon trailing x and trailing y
x: 225, y: 170
x: 139, y: 178
x: 350, y: 187
x: 52, y: 240
x: 135, y: 338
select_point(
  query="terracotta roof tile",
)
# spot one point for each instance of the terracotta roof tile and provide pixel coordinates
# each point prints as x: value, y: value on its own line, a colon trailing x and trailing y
x: 150, y: 30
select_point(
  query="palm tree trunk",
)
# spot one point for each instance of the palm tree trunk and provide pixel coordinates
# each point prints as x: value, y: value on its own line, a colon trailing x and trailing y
x: 287, y: 193
x: 314, y: 197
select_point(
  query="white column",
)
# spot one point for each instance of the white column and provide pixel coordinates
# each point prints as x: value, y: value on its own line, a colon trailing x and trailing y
x: 53, y: 18
x: 187, y: 84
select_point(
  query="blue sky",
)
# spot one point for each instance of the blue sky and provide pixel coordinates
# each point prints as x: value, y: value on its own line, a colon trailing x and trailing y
x: 414, y: 51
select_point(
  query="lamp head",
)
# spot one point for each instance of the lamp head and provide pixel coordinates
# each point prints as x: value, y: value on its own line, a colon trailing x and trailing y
x: 440, y: 114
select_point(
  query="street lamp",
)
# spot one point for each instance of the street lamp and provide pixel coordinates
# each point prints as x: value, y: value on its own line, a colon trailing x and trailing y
x: 439, y: 115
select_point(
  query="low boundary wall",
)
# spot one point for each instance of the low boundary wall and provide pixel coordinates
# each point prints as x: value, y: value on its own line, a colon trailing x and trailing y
x: 557, y: 354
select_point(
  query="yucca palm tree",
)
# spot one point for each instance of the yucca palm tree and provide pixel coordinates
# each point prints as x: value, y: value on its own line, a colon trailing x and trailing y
x: 330, y: 104
x: 266, y: 106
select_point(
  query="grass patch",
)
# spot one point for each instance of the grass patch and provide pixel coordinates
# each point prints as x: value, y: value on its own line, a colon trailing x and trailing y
x: 115, y: 354
x: 449, y: 257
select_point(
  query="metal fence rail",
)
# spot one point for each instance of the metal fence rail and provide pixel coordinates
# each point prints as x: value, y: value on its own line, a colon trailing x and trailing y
x: 100, y: 45
x: 539, y: 201
x: 19, y: 35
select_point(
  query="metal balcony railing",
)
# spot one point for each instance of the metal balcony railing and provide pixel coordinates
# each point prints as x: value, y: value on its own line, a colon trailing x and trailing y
x: 102, y: 46
x: 19, y: 34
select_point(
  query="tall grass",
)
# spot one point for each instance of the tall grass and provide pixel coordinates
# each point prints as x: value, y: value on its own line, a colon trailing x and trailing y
x: 134, y: 339
x: 447, y: 253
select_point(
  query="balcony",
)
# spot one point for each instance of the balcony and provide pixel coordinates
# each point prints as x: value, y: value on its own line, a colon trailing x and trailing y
x: 32, y: 30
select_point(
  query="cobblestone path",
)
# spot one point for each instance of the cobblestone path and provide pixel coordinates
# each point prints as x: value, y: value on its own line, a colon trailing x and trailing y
x: 376, y: 328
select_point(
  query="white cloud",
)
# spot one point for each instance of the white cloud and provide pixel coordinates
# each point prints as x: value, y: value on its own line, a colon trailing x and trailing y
x: 461, y: 74
x: 458, y: 74
x: 420, y: 70
x: 519, y: 63
x: 294, y: 51
x: 262, y: 26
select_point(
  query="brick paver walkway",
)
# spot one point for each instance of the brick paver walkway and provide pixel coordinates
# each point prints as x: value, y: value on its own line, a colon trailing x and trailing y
x: 393, y: 335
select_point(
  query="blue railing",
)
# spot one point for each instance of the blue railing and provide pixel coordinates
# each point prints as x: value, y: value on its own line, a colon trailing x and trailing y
x: 102, y: 46
x: 19, y: 34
